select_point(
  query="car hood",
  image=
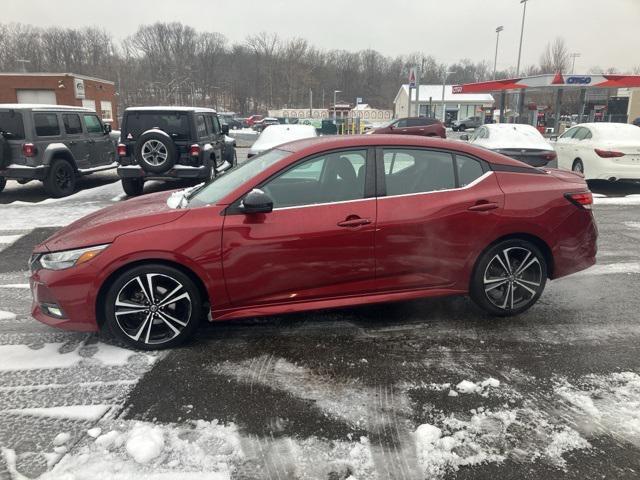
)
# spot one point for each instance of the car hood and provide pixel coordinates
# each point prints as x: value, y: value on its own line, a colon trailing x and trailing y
x: 105, y: 225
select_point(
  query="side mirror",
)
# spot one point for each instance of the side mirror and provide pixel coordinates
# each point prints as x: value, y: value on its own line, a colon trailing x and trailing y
x: 553, y: 138
x: 225, y: 128
x: 107, y: 128
x: 256, y: 201
x: 464, y: 137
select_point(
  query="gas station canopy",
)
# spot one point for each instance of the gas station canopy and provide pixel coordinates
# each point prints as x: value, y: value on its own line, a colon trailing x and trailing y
x: 557, y: 80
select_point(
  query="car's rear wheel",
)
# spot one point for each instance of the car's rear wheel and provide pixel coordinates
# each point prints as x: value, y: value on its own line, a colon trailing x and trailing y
x: 133, y: 186
x: 152, y: 307
x: 509, y: 277
x: 3, y: 183
x: 578, y: 166
x: 61, y: 180
x: 462, y: 128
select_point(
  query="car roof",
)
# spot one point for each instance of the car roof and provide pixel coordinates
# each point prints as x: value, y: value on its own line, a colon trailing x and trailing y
x: 310, y: 146
x: 43, y: 107
x: 160, y: 108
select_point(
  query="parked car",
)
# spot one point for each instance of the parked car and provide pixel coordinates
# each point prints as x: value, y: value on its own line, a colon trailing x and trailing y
x: 318, y: 223
x: 423, y: 126
x: 260, y: 125
x: 469, y: 122
x: 54, y: 144
x: 229, y: 119
x: 636, y: 122
x: 170, y: 142
x: 522, y: 142
x: 605, y: 151
x: 249, y: 121
x: 278, y: 134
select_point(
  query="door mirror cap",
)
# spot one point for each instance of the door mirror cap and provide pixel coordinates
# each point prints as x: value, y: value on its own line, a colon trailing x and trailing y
x: 107, y: 128
x: 256, y: 201
x: 225, y: 128
x: 464, y: 137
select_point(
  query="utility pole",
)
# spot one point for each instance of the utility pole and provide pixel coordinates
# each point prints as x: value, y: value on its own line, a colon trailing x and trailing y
x: 444, y: 82
x: 573, y: 64
x: 310, y: 103
x: 335, y: 95
x: 524, y: 13
x: 495, y: 59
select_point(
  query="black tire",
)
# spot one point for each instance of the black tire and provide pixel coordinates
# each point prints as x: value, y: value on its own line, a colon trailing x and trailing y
x: 61, y: 179
x: 577, y: 166
x: 503, y: 293
x: 152, y: 325
x: 455, y: 129
x: 230, y: 154
x: 3, y: 183
x: 155, y: 151
x: 462, y: 128
x: 133, y: 186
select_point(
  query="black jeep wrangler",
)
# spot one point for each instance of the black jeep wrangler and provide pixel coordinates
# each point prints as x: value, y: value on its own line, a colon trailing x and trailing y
x: 170, y: 142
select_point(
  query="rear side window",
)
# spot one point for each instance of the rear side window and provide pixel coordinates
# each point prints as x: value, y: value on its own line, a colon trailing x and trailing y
x: 216, y: 125
x: 46, y: 124
x: 417, y: 171
x: 174, y: 124
x: 469, y: 170
x: 71, y: 124
x: 92, y: 123
x: 201, y: 126
x: 11, y: 125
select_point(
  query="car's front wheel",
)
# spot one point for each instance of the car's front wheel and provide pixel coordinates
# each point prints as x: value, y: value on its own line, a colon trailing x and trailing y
x: 152, y: 307
x: 509, y: 277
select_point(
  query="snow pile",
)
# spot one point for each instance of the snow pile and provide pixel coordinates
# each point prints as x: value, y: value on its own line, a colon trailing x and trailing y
x: 628, y: 200
x: 481, y: 388
x: 201, y: 450
x: 7, y: 315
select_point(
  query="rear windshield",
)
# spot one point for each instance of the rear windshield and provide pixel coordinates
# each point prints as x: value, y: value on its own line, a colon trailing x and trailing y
x: 175, y: 124
x: 11, y: 125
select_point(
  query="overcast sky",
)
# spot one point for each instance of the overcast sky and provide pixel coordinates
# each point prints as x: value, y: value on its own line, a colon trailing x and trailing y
x: 603, y: 31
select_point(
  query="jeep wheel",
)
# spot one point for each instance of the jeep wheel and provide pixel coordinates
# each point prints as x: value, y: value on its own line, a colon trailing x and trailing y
x: 3, y: 183
x: 61, y: 180
x: 133, y: 186
x: 155, y: 151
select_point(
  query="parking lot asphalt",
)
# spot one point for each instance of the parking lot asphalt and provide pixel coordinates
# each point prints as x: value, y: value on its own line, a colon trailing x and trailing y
x: 423, y: 389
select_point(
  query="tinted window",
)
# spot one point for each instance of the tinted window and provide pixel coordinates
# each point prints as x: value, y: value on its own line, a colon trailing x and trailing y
x: 92, y: 124
x: 201, y: 127
x: 416, y: 171
x: 46, y: 124
x: 216, y: 125
x: 570, y: 133
x: 72, y: 124
x: 582, y: 134
x: 209, y: 121
x: 334, y: 177
x: 469, y: 169
x: 401, y: 123
x: 11, y: 125
x: 175, y: 124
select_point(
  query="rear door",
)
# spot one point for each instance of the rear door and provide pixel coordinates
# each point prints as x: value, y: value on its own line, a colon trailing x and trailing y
x: 435, y: 208
x: 101, y: 149
x: 13, y: 128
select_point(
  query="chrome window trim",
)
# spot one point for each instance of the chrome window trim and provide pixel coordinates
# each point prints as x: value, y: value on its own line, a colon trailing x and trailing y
x: 472, y: 184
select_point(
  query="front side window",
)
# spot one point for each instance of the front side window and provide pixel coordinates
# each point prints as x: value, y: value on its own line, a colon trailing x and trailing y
x: 401, y: 123
x: 410, y: 171
x: 570, y: 133
x: 216, y: 125
x: 332, y: 177
x: 469, y: 169
x: 582, y: 134
x: 72, y: 125
x: 92, y: 124
x: 46, y: 124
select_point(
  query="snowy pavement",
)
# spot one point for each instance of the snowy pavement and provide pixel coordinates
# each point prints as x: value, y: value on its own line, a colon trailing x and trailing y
x: 414, y: 390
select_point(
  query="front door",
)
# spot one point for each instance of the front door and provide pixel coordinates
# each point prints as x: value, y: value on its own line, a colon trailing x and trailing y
x: 75, y: 139
x: 436, y: 207
x: 318, y: 242
x: 101, y: 148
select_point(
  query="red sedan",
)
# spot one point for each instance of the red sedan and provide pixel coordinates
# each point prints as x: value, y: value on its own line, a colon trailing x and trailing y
x: 319, y: 223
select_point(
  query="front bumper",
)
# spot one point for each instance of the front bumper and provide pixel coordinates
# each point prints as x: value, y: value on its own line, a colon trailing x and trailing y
x: 24, y: 172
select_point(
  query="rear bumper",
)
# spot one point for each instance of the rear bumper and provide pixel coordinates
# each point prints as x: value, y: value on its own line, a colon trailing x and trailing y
x: 579, y: 245
x: 618, y: 172
x: 23, y: 172
x: 178, y: 171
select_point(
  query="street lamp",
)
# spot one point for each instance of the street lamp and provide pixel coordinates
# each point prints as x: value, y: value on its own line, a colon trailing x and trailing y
x: 524, y: 12
x: 335, y: 93
x: 573, y: 65
x: 444, y: 82
x: 495, y: 60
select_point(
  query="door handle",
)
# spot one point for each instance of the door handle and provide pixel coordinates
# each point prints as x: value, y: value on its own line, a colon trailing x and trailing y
x: 354, y: 222
x: 483, y: 206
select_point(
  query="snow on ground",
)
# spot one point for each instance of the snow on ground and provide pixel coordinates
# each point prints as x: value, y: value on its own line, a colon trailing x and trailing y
x: 633, y: 199
x: 75, y: 412
x: 7, y: 316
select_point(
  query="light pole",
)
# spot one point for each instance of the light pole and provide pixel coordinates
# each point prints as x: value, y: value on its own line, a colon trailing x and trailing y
x: 524, y: 12
x: 444, y: 82
x: 495, y: 59
x: 573, y: 64
x: 335, y: 94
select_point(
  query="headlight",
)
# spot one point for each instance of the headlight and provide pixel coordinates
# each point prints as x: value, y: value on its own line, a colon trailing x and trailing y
x: 69, y: 258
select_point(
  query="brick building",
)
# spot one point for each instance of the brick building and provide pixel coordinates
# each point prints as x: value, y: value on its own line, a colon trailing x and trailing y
x: 61, y: 89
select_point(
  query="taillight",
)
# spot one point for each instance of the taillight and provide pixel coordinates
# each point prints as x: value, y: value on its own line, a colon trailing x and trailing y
x: 548, y: 156
x: 194, y: 150
x: 608, y: 153
x: 28, y: 149
x: 122, y: 150
x: 581, y: 199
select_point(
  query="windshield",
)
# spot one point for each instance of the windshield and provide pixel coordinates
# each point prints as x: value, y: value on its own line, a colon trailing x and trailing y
x: 11, y: 125
x: 223, y: 185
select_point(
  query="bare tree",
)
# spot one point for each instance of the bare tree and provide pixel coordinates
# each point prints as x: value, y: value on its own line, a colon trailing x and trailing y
x: 555, y: 57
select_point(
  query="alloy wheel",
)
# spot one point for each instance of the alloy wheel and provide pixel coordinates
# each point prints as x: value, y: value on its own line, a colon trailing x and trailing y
x: 153, y: 308
x: 154, y: 152
x: 513, y: 278
x: 63, y: 178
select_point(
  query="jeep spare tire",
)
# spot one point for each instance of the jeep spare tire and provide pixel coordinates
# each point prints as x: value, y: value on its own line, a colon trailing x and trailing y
x: 155, y: 151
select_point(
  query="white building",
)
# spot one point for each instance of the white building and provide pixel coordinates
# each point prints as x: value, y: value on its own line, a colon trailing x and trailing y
x: 458, y: 105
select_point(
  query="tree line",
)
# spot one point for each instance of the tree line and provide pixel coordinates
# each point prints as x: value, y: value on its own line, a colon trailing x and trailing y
x: 172, y: 63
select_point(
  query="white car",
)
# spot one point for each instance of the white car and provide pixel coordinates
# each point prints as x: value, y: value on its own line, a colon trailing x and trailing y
x: 275, y: 135
x: 604, y: 151
x: 522, y: 142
